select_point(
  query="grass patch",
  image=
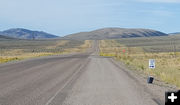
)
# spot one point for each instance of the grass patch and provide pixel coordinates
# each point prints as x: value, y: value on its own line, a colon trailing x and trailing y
x: 167, y: 65
x: 14, y: 49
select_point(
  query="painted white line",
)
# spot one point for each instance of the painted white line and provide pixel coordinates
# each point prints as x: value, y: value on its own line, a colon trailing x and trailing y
x: 52, y: 98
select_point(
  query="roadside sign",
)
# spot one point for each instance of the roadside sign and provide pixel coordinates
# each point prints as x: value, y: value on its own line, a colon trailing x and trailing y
x: 151, y: 63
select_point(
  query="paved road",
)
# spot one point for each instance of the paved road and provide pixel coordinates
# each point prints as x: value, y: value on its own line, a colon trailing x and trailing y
x: 76, y: 79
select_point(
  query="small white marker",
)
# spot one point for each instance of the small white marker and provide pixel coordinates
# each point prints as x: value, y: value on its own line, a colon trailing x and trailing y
x: 151, y: 63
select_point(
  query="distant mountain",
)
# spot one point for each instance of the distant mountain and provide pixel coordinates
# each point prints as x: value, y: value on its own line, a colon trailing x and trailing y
x: 114, y: 33
x: 5, y: 37
x: 176, y: 33
x: 26, y: 34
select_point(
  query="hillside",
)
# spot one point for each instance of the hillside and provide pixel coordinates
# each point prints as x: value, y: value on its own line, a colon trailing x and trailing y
x: 26, y: 34
x: 114, y: 33
x: 176, y: 33
x: 5, y: 37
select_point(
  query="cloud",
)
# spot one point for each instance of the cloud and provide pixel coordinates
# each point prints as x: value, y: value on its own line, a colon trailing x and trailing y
x: 161, y: 1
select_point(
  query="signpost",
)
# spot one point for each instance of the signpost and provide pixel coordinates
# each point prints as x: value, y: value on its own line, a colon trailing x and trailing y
x: 151, y: 63
x: 151, y: 66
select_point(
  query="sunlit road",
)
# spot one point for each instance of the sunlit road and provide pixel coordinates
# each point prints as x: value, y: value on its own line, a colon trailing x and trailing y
x: 76, y: 79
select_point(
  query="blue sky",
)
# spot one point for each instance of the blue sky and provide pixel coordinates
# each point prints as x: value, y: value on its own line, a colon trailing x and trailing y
x: 62, y: 17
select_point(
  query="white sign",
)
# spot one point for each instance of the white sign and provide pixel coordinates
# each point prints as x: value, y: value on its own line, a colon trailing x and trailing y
x: 151, y: 63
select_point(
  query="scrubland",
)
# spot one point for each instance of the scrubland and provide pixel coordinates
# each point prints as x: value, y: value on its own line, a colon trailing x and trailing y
x: 13, y: 49
x: 136, y: 52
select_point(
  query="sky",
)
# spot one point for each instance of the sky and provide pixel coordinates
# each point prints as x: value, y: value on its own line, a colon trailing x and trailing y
x: 63, y: 17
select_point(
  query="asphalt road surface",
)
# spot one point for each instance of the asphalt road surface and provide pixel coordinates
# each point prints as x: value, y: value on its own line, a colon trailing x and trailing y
x: 75, y: 79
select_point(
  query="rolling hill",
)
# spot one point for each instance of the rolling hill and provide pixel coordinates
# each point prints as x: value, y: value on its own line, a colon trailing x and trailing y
x: 114, y: 33
x: 5, y: 37
x: 176, y: 33
x: 26, y: 34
